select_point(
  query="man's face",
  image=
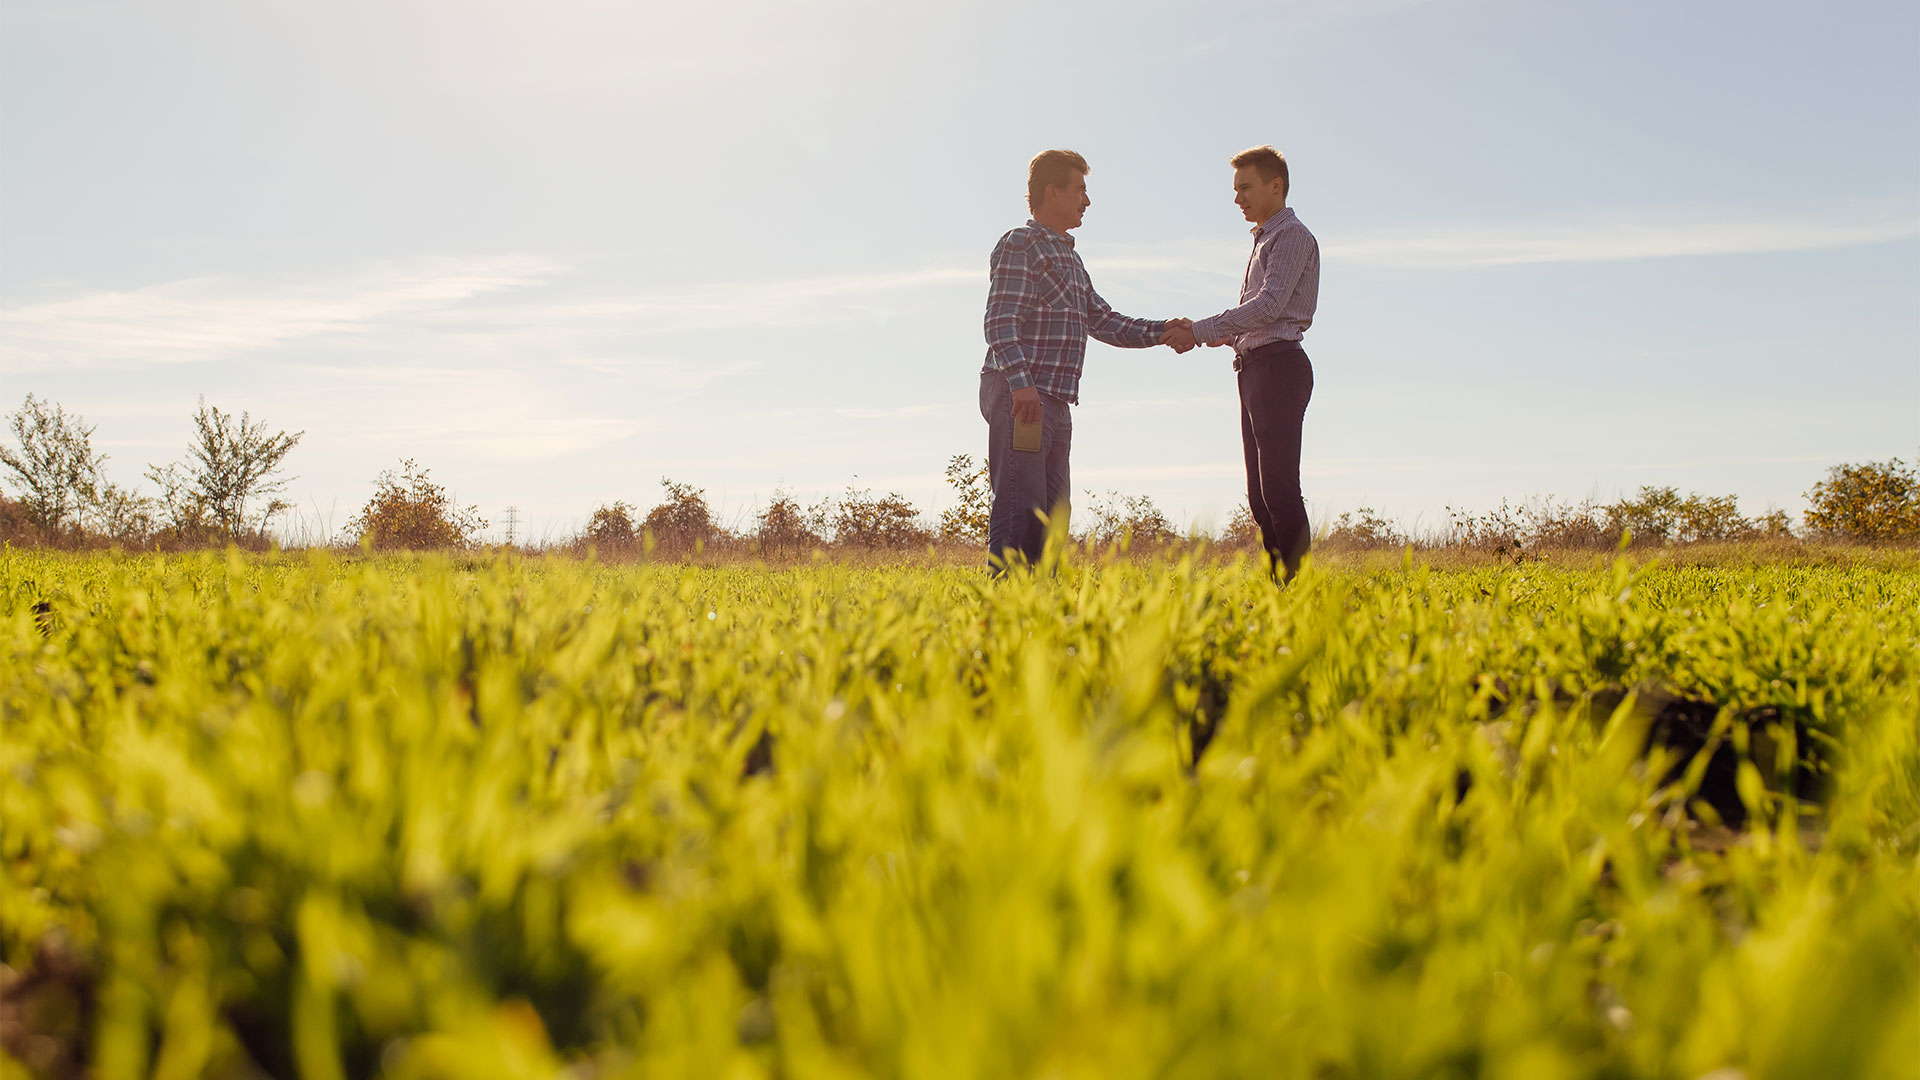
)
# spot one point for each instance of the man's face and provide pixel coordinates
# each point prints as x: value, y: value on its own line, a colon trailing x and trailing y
x: 1257, y: 199
x: 1069, y: 204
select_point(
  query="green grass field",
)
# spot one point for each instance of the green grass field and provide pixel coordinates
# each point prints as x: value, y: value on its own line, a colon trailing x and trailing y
x: 314, y: 817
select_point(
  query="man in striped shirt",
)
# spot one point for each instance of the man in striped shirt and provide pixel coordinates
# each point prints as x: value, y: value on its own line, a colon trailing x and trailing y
x: 1277, y: 298
x: 1041, y: 308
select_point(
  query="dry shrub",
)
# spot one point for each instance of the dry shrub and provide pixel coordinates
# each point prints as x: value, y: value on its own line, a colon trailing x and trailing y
x: 1241, y: 531
x: 1129, y: 521
x: 611, y: 528
x: 409, y: 511
x: 787, y: 528
x: 862, y: 521
x: 683, y: 523
x: 1656, y: 516
x: 1873, y: 501
x: 1364, y: 532
x: 966, y: 520
x: 15, y: 528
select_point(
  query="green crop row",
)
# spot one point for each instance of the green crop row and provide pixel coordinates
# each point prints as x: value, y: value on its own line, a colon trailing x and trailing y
x: 313, y: 817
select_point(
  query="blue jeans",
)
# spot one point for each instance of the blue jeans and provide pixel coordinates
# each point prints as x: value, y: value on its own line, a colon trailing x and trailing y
x: 1023, y: 481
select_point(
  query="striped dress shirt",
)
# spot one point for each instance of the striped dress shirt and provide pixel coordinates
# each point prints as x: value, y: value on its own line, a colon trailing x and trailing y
x: 1041, y: 307
x: 1278, y: 293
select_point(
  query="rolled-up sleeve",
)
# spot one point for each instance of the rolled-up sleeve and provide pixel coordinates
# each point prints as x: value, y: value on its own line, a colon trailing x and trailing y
x: 1291, y: 252
x: 1010, y: 295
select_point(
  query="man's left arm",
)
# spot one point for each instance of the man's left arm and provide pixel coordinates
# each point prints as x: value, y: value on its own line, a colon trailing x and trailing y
x: 1108, y: 325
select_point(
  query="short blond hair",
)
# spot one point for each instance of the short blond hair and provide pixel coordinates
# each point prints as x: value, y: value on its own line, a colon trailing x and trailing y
x: 1266, y: 161
x: 1052, y: 168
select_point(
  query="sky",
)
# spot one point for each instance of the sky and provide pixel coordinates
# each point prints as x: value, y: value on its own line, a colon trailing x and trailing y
x: 558, y: 251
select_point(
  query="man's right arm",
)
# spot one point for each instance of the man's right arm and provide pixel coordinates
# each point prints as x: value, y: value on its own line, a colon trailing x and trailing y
x: 1286, y: 262
x: 1010, y: 294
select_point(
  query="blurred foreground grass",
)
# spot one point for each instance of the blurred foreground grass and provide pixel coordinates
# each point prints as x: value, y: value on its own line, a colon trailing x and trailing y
x: 503, y: 818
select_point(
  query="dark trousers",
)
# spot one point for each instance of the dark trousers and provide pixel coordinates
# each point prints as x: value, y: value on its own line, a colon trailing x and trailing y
x: 1023, y: 481
x: 1276, y: 382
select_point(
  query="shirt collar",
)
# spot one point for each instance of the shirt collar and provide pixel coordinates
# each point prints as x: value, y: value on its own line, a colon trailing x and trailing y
x: 1281, y: 218
x: 1049, y: 231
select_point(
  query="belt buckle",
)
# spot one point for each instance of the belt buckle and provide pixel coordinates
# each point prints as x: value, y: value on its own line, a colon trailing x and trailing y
x: 1239, y: 358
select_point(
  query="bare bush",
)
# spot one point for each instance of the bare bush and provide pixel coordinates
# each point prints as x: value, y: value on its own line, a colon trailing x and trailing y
x: 1873, y: 501
x: 122, y: 516
x: 230, y: 464
x: 409, y: 511
x: 1500, y: 532
x: 181, y: 515
x: 1552, y: 524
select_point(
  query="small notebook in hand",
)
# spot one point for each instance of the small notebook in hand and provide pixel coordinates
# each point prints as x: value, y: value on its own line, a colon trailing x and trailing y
x: 1026, y: 435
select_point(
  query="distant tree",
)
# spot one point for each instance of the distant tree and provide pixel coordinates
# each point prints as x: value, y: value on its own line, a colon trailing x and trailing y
x: 229, y: 464
x: 410, y: 511
x: 1875, y: 500
x: 56, y: 470
x: 683, y: 522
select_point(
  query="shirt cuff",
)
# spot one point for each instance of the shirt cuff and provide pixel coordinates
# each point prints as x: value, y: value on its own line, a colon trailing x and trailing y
x: 1017, y: 377
x: 1207, y: 330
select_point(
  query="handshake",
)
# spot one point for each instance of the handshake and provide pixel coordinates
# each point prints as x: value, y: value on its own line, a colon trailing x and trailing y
x: 1179, y: 336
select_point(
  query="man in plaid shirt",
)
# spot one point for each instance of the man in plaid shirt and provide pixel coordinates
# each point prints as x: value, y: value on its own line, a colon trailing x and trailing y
x: 1041, y: 308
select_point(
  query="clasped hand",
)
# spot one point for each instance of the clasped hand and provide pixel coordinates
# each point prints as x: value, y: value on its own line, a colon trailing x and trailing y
x: 1179, y: 336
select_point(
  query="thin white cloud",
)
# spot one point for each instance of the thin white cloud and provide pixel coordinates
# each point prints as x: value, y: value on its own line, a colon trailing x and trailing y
x: 445, y: 307
x: 204, y: 319
x: 789, y: 302
x: 440, y: 306
x: 1468, y: 246
x: 1471, y: 246
x: 430, y: 302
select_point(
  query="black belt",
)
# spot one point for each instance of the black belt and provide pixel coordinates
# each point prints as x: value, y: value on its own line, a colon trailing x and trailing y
x: 1269, y: 350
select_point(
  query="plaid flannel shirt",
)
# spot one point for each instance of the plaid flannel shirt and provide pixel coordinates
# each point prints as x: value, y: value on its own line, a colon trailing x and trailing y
x: 1041, y: 307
